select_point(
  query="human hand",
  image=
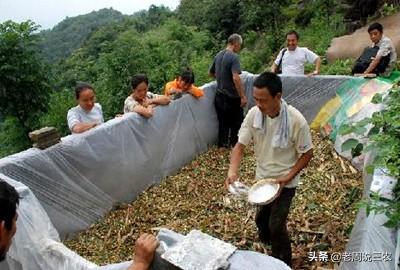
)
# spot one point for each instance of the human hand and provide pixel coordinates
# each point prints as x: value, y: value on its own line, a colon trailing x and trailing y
x: 230, y: 179
x: 145, y: 103
x: 315, y: 72
x: 283, y: 180
x: 145, y: 247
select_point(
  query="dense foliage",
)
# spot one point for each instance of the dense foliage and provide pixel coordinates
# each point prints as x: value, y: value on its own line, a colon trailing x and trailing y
x: 105, y: 48
x: 384, y: 142
x: 70, y: 34
x: 24, y: 85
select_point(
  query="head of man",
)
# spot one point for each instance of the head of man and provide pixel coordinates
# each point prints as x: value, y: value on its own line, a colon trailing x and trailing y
x: 375, y: 31
x: 292, y: 39
x: 268, y: 93
x: 84, y: 94
x: 140, y: 85
x: 9, y: 199
x: 235, y: 42
x: 186, y: 79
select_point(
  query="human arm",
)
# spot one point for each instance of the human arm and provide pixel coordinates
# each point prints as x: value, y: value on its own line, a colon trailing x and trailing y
x: 312, y: 57
x: 146, y: 112
x: 82, y: 127
x: 239, y: 88
x: 275, y: 64
x: 169, y: 89
x: 385, y: 49
x: 144, y: 252
x: 196, y: 92
x: 159, y: 100
x: 298, y: 166
x: 245, y: 136
x: 317, y: 63
x: 236, y: 158
x: 76, y: 125
x: 304, y: 149
x: 374, y: 63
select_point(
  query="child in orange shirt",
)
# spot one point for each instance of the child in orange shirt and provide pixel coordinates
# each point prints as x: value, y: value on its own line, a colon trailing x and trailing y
x: 183, y: 85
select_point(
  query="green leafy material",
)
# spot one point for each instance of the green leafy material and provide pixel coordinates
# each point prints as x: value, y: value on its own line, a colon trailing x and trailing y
x: 377, y: 99
x: 373, y: 131
x: 357, y: 150
x: 349, y: 144
x: 345, y: 129
x: 370, y: 169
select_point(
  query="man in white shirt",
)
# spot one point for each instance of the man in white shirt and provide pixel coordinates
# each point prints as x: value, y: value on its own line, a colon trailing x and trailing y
x: 291, y: 60
x: 283, y: 147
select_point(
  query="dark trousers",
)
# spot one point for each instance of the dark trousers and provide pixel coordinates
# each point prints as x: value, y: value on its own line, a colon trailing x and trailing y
x: 271, y: 224
x: 230, y: 118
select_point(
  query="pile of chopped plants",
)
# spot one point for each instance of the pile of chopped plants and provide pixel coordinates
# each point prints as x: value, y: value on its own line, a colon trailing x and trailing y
x: 320, y: 219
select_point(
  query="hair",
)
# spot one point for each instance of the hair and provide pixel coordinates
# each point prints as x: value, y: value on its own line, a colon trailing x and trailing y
x: 293, y: 32
x: 270, y: 81
x: 187, y: 75
x: 375, y: 26
x: 235, y: 38
x: 138, y: 79
x: 9, y: 199
x: 80, y: 87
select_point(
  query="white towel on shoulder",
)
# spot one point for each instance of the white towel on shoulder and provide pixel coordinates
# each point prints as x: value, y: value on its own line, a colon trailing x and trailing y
x: 281, y: 135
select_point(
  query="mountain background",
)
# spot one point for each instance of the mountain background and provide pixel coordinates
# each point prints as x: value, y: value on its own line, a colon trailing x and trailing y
x: 105, y: 48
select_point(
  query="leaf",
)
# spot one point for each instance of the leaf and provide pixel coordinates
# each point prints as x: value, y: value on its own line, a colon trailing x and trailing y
x: 349, y: 144
x: 370, y: 169
x: 373, y: 131
x: 391, y: 223
x: 345, y: 129
x: 360, y: 130
x: 370, y: 147
x: 364, y: 121
x: 377, y: 99
x: 356, y: 151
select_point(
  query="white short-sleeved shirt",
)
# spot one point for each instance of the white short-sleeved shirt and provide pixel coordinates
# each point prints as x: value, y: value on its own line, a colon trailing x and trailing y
x: 385, y: 47
x: 273, y: 162
x: 130, y: 103
x: 78, y: 115
x: 293, y: 61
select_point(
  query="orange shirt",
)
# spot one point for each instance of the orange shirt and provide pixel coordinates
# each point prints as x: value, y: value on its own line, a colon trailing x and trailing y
x: 173, y: 86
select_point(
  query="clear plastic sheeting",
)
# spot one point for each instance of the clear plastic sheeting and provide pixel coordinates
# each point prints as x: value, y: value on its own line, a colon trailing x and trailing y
x: 239, y: 260
x: 199, y: 251
x: 307, y: 94
x: 36, y: 244
x: 77, y: 181
x: 371, y: 245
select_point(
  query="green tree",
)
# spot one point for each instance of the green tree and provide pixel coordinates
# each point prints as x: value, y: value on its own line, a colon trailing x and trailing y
x: 24, y: 79
x: 69, y: 35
